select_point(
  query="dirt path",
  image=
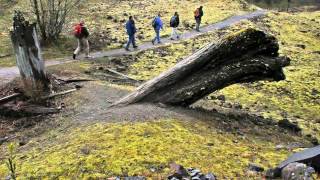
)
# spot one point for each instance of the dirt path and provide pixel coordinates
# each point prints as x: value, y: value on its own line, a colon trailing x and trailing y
x: 9, y: 73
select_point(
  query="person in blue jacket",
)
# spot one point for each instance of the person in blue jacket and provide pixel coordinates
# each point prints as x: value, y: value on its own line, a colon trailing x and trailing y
x: 131, y: 30
x: 157, y: 25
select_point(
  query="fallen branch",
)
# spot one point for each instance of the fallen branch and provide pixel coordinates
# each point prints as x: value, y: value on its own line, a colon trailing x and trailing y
x: 34, y: 110
x: 120, y: 74
x: 76, y: 80
x: 26, y: 109
x: 59, y: 93
x: 9, y: 98
x: 6, y: 139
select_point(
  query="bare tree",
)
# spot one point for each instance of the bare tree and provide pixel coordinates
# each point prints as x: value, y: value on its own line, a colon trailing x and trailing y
x: 51, y: 16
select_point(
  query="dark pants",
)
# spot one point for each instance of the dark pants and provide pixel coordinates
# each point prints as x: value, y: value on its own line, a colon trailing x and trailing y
x: 198, y: 22
x: 131, y: 40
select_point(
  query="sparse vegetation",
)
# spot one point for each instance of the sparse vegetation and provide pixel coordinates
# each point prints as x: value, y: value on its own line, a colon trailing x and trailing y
x: 11, y: 161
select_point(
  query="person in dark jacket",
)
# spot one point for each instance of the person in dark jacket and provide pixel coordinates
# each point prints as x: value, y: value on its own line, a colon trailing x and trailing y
x: 157, y: 25
x: 131, y: 30
x: 82, y: 35
x: 174, y: 23
x: 198, y: 16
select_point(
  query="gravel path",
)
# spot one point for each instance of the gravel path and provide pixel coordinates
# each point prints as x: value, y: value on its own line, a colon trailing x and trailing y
x: 9, y: 73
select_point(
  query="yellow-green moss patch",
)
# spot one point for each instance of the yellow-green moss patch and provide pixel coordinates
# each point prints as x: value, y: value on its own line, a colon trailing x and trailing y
x: 104, y: 150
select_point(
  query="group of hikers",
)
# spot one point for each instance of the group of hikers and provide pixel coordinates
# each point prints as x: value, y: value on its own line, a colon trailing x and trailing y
x: 82, y: 33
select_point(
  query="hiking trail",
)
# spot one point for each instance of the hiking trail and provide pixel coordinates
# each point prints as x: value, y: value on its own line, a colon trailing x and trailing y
x: 9, y: 73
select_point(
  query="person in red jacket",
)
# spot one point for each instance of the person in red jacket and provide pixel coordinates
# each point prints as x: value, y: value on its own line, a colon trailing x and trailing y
x: 198, y: 13
x: 82, y: 34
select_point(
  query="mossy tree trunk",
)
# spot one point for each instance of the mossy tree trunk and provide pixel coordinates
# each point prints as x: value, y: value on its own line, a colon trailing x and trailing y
x: 246, y: 56
x: 28, y: 54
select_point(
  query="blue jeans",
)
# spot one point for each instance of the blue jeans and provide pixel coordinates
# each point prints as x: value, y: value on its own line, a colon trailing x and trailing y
x: 131, y: 40
x: 157, y: 35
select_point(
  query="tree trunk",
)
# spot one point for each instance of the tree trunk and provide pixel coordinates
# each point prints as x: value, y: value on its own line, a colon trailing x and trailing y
x: 28, y: 53
x: 246, y: 56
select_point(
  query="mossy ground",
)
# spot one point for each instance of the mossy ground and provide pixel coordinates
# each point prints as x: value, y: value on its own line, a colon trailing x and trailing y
x: 109, y: 33
x: 296, y: 98
x: 117, y: 149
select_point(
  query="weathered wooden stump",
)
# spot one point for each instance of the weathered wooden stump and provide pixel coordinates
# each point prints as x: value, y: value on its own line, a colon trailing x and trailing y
x: 246, y: 56
x: 28, y: 54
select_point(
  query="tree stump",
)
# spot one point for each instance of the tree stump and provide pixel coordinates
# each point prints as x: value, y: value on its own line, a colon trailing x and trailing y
x: 247, y: 56
x: 28, y: 54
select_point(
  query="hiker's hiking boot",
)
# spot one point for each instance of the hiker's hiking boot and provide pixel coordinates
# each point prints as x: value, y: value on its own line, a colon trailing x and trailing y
x: 88, y: 57
x: 127, y: 49
x: 135, y: 47
x: 74, y: 56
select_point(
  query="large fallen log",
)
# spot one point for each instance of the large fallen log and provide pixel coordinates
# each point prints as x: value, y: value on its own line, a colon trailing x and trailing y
x: 247, y: 56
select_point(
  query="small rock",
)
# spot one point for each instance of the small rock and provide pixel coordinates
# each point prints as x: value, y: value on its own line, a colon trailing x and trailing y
x: 273, y: 173
x: 302, y: 46
x: 254, y: 167
x: 140, y: 36
x: 78, y: 86
x: 179, y: 171
x: 210, y: 144
x: 221, y: 98
x: 237, y: 106
x: 116, y: 61
x: 109, y: 17
x: 194, y: 172
x: 85, y: 150
x: 314, y: 92
x: 22, y: 141
x: 312, y: 139
x: 228, y: 105
x: 195, y: 178
x: 285, y: 123
x: 296, y: 171
x: 210, y: 176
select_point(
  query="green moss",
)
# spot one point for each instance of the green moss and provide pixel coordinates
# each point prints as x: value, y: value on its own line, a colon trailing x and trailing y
x: 296, y: 97
x: 104, y: 150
